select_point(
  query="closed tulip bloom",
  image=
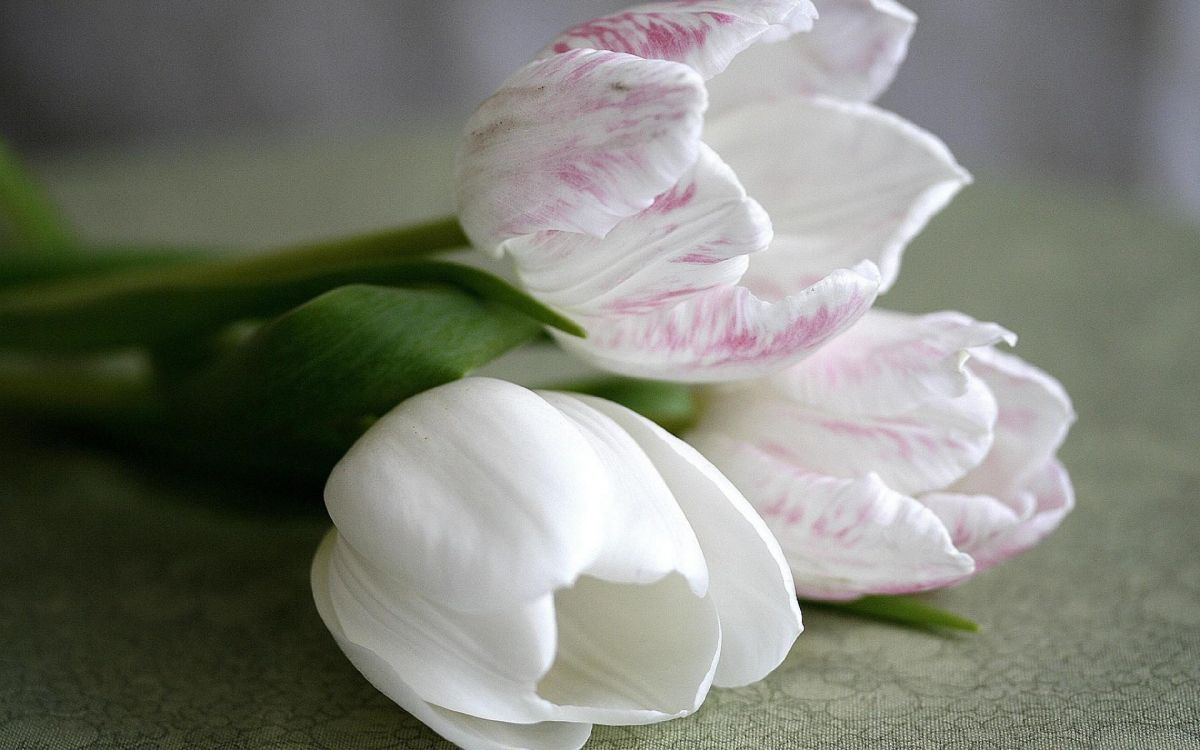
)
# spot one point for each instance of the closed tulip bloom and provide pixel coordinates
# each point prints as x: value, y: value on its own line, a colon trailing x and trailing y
x: 512, y: 567
x: 703, y: 248
x: 907, y: 455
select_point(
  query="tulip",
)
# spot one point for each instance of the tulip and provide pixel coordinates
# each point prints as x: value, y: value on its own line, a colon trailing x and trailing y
x: 512, y: 567
x: 906, y: 455
x: 594, y: 169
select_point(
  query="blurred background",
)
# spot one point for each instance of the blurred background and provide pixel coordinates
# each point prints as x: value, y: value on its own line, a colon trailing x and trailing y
x: 1105, y: 92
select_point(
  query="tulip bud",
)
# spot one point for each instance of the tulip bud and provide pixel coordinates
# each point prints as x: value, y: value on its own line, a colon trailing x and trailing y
x: 512, y: 567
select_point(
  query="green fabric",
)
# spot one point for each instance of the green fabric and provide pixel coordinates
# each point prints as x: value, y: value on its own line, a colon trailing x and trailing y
x: 141, y: 611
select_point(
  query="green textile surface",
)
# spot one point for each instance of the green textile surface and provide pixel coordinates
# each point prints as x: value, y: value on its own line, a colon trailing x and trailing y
x: 141, y: 611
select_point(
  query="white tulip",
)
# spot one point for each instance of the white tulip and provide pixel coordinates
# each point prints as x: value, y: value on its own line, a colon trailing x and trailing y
x: 907, y: 455
x: 512, y: 567
x: 704, y: 186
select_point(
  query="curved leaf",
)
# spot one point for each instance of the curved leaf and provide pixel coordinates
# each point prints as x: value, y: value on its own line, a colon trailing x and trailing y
x: 302, y: 388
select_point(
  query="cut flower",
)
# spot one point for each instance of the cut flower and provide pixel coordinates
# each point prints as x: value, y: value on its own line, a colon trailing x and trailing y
x: 906, y: 455
x: 594, y: 169
x: 512, y: 567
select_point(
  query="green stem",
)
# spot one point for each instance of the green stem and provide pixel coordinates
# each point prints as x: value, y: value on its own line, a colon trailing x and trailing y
x: 33, y: 218
x: 26, y: 267
x: 392, y: 244
x: 145, y: 305
x: 901, y: 610
x: 88, y: 392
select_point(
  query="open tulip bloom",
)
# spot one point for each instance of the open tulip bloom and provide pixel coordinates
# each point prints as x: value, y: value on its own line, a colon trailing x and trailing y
x: 697, y: 191
x: 906, y: 455
x: 696, y: 247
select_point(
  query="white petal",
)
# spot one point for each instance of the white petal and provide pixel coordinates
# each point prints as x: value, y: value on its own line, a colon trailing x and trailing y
x: 726, y: 333
x: 923, y: 449
x: 483, y: 664
x: 843, y: 538
x: 694, y: 237
x: 842, y: 182
x: 645, y: 534
x: 889, y: 362
x: 749, y: 580
x: 705, y: 35
x: 852, y: 52
x: 1049, y: 497
x: 469, y: 732
x: 1034, y: 416
x: 478, y: 491
x: 576, y: 142
x: 632, y: 654
x: 974, y: 521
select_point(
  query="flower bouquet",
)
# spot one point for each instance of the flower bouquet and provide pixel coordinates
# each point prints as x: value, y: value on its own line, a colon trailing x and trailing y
x: 700, y: 202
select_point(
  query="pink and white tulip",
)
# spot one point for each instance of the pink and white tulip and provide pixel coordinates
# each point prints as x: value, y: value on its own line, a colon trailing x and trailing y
x: 513, y: 566
x: 906, y: 455
x: 595, y: 170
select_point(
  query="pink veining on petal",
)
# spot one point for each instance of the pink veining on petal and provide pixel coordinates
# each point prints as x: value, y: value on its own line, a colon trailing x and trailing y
x: 653, y: 35
x: 726, y: 332
x: 871, y: 432
x: 674, y: 199
x: 531, y: 162
x: 705, y: 34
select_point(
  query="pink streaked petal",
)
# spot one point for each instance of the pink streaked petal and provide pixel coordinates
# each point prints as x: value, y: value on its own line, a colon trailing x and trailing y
x: 842, y: 181
x: 1032, y: 422
x: 1047, y: 498
x: 693, y: 238
x: 920, y: 450
x: 843, y: 538
x: 974, y: 521
x: 726, y: 333
x: 888, y: 362
x: 576, y: 142
x: 705, y: 35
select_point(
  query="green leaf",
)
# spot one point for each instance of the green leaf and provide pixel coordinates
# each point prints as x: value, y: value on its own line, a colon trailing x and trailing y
x: 300, y: 390
x: 903, y: 610
x: 671, y: 405
x: 155, y: 306
x: 30, y: 216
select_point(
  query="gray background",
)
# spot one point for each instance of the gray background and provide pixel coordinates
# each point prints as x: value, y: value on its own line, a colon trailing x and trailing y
x: 1104, y: 91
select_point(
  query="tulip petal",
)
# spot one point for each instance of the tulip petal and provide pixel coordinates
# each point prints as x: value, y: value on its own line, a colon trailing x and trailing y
x: 632, y: 654
x: 888, y: 362
x: 842, y: 182
x: 923, y: 449
x: 749, y: 579
x: 843, y: 538
x: 992, y: 530
x: 466, y: 731
x: 576, y: 142
x: 705, y: 35
x: 726, y: 333
x: 483, y: 664
x: 693, y: 238
x: 504, y: 522
x: 645, y: 534
x: 852, y: 52
x: 974, y: 521
x: 1034, y: 416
